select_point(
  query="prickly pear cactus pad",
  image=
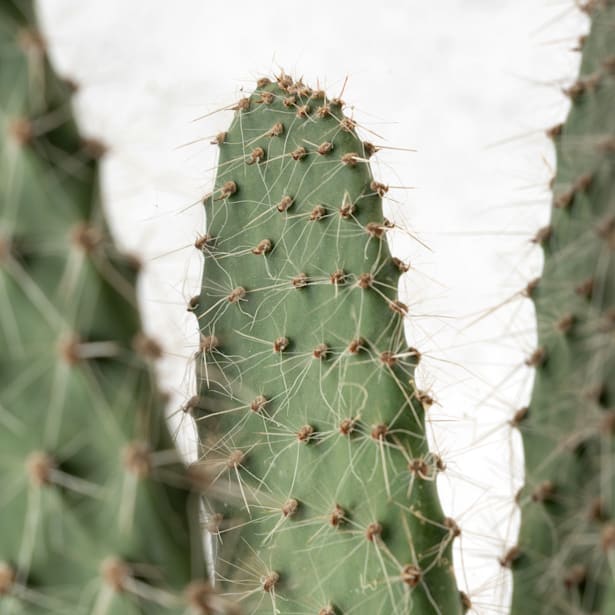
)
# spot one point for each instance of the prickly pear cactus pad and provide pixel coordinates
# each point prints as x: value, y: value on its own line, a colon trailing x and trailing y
x: 97, y: 515
x: 305, y: 375
x: 565, y: 558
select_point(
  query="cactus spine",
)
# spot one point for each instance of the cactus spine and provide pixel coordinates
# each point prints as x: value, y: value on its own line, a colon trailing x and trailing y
x: 97, y: 513
x: 565, y: 555
x: 305, y: 375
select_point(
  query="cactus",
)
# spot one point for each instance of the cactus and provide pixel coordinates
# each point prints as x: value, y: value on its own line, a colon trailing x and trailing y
x: 305, y: 375
x: 97, y: 512
x: 307, y: 404
x: 564, y: 559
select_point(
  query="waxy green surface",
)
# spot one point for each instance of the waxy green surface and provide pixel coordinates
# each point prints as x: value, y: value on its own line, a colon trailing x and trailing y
x: 307, y: 379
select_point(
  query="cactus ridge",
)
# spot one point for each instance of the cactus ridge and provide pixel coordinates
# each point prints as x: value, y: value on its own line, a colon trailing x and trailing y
x: 98, y: 514
x: 305, y: 376
x: 563, y: 562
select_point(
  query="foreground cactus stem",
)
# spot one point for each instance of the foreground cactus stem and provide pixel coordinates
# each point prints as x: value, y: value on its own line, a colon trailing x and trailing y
x: 564, y: 559
x: 97, y: 512
x: 305, y: 375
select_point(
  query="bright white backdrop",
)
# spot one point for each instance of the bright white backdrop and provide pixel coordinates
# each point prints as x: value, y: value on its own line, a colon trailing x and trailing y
x: 471, y: 84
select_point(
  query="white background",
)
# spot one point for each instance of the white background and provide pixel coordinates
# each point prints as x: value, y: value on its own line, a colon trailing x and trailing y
x: 471, y: 84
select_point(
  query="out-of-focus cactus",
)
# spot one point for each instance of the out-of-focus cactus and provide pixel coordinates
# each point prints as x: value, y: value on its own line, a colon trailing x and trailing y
x: 98, y: 515
x: 306, y: 377
x: 565, y: 558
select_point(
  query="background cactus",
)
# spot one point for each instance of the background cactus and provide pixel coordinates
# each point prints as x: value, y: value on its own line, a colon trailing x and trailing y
x: 306, y: 375
x: 565, y: 555
x: 97, y: 513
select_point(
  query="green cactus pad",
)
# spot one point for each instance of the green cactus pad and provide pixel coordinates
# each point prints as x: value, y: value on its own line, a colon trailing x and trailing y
x: 98, y: 515
x: 306, y: 376
x: 565, y: 558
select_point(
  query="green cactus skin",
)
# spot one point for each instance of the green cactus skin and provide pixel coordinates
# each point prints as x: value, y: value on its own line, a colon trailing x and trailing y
x: 305, y: 373
x: 97, y: 513
x: 565, y: 558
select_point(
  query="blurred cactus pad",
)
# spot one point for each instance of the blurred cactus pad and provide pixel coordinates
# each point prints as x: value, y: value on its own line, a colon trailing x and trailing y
x: 305, y: 376
x: 97, y: 512
x: 565, y: 558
